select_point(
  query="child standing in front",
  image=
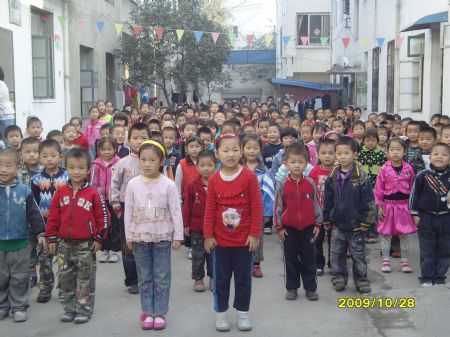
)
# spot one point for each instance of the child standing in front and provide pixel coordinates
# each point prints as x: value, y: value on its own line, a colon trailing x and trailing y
x: 350, y: 209
x: 429, y: 206
x: 298, y: 220
x: 391, y: 192
x: 153, y: 225
x: 232, y: 230
x: 76, y: 227
x: 19, y: 211
x: 193, y: 215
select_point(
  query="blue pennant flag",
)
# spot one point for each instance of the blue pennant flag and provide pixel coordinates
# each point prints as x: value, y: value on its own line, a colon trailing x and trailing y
x: 198, y: 36
x: 380, y: 41
x: 286, y: 40
x: 100, y: 26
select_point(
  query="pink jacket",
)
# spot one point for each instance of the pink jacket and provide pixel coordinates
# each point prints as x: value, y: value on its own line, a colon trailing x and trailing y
x: 92, y: 131
x: 389, y: 182
x: 101, y: 175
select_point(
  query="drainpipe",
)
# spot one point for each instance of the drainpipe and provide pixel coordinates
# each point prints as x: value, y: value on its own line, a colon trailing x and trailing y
x: 446, y: 78
x: 67, y: 108
x: 397, y: 58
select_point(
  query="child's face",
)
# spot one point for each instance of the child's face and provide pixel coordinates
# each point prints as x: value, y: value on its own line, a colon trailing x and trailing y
x: 273, y: 134
x: 287, y: 140
x: 134, y: 116
x: 214, y: 108
x: 101, y: 107
x: 285, y: 110
x: 310, y: 115
x: 153, y: 127
x: 245, y: 111
x: 229, y: 115
x: 193, y: 149
x: 8, y: 168
x: 435, y: 120
x: 440, y: 157
x: 149, y: 163
x: 107, y: 151
x: 120, y: 122
x: 70, y: 134
x: 14, y: 138
x: 189, y: 131
x: 341, y: 114
x: 383, y: 137
x: 206, y: 138
x: 345, y: 156
x: 255, y: 116
x: 181, y: 121
x: 228, y: 129
x: 50, y: 158
x: 397, y: 130
x: 145, y: 110
x: 77, y: 125
x: 358, y: 131
x: 229, y: 152
x: 169, y: 138
x: 445, y: 136
x: 396, y: 151
x: 320, y: 114
x: 357, y: 114
x: 338, y: 127
x: 59, y: 139
x: 426, y: 141
x: 263, y: 128
x: 412, y: 132
x: 35, y: 129
x: 249, y: 129
x: 251, y: 151
x: 328, y: 114
x: 190, y: 113
x: 206, y: 167
x: 371, y: 143
x: 274, y: 115
x: 317, y: 134
x: 30, y: 154
x: 137, y: 138
x: 294, y: 123
x: 203, y: 115
x: 327, y: 155
x: 306, y: 134
x: 296, y: 164
x: 109, y: 108
x: 219, y: 118
x: 77, y: 169
x: 94, y: 114
x: 119, y: 135
x: 104, y: 132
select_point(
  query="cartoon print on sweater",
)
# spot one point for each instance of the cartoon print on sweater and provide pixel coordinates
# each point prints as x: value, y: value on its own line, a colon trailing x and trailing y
x: 231, y: 218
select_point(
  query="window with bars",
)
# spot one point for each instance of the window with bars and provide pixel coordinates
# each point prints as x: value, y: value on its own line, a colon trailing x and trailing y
x: 42, y: 53
x: 375, y: 77
x: 314, y: 26
x: 346, y: 7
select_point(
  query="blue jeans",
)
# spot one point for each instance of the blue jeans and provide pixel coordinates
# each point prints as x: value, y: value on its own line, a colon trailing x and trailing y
x: 154, y: 275
x: 4, y: 123
x: 355, y: 241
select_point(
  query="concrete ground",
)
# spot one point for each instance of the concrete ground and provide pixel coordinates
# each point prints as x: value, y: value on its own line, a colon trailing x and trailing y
x: 191, y: 314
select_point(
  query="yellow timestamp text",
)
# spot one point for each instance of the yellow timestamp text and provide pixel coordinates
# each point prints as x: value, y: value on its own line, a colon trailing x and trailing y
x: 376, y: 302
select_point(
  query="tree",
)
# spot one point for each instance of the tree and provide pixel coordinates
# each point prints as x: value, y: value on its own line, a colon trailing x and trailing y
x: 152, y: 60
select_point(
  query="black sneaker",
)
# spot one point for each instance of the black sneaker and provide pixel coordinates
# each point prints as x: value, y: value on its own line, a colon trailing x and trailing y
x: 339, y: 285
x: 133, y: 290
x: 311, y: 295
x: 80, y: 319
x: 291, y: 294
x: 364, y: 289
x: 67, y: 317
x: 44, y: 296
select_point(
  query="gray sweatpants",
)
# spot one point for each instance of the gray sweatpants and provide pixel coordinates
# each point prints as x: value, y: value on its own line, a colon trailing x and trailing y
x: 14, y: 279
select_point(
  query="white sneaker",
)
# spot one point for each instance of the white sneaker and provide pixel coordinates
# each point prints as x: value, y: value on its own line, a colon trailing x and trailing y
x: 103, y: 257
x: 267, y: 230
x: 222, y: 323
x: 426, y: 284
x: 244, y: 323
x: 189, y: 254
x: 113, y: 257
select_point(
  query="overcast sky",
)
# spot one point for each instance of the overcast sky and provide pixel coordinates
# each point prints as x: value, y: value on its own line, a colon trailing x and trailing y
x: 252, y: 16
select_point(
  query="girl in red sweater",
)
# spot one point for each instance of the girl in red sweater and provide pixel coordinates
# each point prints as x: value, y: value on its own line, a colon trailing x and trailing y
x: 232, y: 230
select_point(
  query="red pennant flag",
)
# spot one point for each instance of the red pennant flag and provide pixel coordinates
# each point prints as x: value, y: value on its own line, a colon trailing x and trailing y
x: 346, y: 41
x: 250, y: 38
x: 159, y: 32
x: 43, y: 18
x: 137, y: 29
x: 399, y: 41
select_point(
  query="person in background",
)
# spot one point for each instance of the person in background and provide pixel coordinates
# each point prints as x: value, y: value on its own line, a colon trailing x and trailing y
x: 7, y: 114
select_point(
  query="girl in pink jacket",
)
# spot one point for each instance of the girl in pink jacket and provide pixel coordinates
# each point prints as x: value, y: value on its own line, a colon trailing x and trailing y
x: 392, y: 190
x: 92, y: 129
x: 102, y: 170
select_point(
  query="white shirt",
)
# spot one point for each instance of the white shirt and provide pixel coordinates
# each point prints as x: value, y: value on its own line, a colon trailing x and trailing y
x: 6, y: 107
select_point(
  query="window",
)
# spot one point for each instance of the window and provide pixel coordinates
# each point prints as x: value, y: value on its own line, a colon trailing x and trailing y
x: 390, y: 77
x: 42, y: 53
x: 375, y: 74
x: 346, y: 7
x: 314, y: 26
x: 416, y: 45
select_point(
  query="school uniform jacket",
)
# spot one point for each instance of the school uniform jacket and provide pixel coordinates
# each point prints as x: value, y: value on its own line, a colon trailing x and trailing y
x: 77, y: 215
x: 194, y: 205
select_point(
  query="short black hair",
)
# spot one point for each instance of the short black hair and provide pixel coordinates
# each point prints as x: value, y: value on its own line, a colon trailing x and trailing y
x: 78, y: 153
x: 66, y: 126
x: 28, y: 141
x: 13, y: 128
x: 276, y: 125
x: 441, y: 144
x: 48, y: 143
x: 33, y: 119
x: 429, y: 130
x: 11, y: 153
x: 54, y: 133
x: 121, y: 116
x: 371, y: 133
x: 104, y: 140
x: 296, y: 148
x: 206, y: 154
x: 138, y: 127
x: 347, y: 141
x: 204, y: 129
x: 414, y: 123
x: 105, y: 127
x: 289, y: 131
x: 325, y: 142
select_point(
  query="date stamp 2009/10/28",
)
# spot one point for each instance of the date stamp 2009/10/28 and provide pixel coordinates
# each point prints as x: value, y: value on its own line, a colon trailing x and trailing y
x: 376, y: 302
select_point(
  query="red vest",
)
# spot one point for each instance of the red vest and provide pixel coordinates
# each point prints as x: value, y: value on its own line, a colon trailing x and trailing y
x: 190, y: 173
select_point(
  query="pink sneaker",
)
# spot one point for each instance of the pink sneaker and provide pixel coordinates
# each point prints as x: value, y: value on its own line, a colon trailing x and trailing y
x: 386, y: 266
x: 159, y: 323
x: 405, y: 267
x: 147, y: 322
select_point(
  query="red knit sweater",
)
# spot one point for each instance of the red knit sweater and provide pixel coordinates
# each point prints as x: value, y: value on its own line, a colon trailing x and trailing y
x: 194, y: 205
x: 234, y: 209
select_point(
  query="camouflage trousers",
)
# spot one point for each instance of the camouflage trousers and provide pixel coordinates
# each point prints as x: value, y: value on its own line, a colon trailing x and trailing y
x: 76, y: 276
x: 46, y: 275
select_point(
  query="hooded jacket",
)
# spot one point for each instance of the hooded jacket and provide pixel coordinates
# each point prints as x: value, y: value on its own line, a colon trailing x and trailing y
x: 102, y: 174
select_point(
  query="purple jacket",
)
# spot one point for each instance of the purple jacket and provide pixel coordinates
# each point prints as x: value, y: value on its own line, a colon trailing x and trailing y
x: 101, y: 175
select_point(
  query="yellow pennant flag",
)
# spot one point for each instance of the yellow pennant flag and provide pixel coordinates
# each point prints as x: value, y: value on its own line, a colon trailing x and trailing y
x: 363, y: 41
x: 268, y: 37
x: 119, y: 28
x: 180, y: 33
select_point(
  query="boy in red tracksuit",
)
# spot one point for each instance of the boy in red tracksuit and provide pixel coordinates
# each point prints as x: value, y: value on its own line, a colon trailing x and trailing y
x: 193, y: 214
x: 298, y: 219
x: 78, y: 218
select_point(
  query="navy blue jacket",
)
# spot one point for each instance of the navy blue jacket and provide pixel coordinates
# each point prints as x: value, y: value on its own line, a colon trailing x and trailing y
x: 424, y: 197
x: 354, y: 206
x: 18, y: 210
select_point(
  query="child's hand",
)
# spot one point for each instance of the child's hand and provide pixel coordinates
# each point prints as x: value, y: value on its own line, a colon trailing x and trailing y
x: 282, y: 234
x: 52, y: 248
x: 129, y: 246
x: 210, y: 244
x: 96, y: 246
x: 176, y: 245
x: 416, y: 219
x: 252, y: 242
x: 316, y: 232
x: 381, y: 212
x: 327, y: 225
x: 117, y: 210
x: 186, y: 231
x: 42, y: 240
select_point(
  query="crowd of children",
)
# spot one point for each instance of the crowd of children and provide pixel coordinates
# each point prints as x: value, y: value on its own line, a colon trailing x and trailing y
x: 143, y: 181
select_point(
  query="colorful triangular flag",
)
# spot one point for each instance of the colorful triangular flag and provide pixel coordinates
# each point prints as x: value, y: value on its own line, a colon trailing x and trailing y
x: 250, y: 38
x: 215, y: 36
x: 119, y: 28
x: 58, y: 45
x: 137, y: 29
x: 180, y: 33
x: 399, y: 41
x: 324, y: 40
x: 268, y: 37
x: 80, y: 23
x: 345, y: 41
x: 285, y: 40
x: 62, y: 19
x: 305, y: 40
x: 232, y: 37
x: 159, y: 31
x: 380, y: 41
x: 363, y: 41
x: 198, y: 36
x: 100, y: 25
